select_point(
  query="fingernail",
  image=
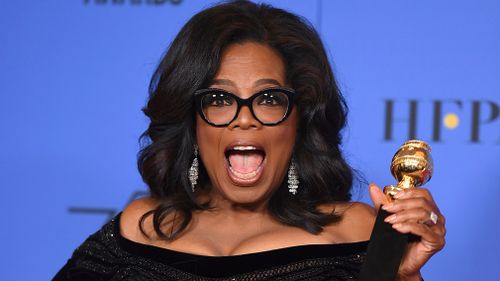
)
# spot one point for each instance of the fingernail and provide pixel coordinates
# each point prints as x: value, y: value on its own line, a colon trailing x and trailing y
x: 388, y: 206
x: 390, y: 218
x: 396, y: 225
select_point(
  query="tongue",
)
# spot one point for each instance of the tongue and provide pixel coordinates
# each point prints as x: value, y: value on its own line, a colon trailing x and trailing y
x: 245, y: 162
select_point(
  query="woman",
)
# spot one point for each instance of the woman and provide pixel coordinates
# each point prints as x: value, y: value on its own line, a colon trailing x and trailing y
x: 244, y: 167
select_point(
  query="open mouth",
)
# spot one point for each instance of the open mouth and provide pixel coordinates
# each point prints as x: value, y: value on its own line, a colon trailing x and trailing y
x: 245, y: 163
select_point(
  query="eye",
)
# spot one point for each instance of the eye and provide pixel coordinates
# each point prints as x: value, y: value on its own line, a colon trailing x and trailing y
x: 217, y: 100
x: 272, y: 99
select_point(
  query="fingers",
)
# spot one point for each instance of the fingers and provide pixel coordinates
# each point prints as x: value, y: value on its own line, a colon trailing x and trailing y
x: 417, y: 199
x: 410, y: 203
x: 423, y: 197
x: 420, y: 215
x: 378, y: 197
x: 412, y: 212
x: 433, y: 240
x: 417, y: 215
x: 414, y: 193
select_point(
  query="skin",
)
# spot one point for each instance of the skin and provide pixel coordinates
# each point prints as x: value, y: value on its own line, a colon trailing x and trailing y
x: 246, y: 69
x: 239, y: 222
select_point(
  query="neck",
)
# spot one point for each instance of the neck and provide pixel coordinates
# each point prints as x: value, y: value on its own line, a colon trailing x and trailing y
x: 218, y: 204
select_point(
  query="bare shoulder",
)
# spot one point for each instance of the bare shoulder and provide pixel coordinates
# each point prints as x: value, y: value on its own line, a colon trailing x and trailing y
x: 358, y: 210
x: 356, y: 224
x: 131, y: 216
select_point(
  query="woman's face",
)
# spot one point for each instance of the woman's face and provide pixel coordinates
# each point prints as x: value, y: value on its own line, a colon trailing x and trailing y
x: 246, y: 161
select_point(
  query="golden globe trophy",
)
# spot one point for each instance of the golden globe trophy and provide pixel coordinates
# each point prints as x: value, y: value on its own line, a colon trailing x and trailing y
x: 412, y: 166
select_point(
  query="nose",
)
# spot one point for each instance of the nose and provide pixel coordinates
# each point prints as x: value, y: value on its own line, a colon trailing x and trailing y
x: 245, y: 120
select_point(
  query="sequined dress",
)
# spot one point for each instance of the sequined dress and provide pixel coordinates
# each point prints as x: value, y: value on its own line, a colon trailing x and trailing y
x: 106, y: 255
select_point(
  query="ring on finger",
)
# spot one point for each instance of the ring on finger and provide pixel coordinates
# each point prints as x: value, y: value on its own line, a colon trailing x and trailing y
x: 433, y: 219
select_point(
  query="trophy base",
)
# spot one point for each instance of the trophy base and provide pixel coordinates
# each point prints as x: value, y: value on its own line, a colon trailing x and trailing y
x: 385, y: 251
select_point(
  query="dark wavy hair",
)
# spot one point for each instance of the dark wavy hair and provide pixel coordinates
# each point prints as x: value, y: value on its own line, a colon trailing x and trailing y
x: 191, y: 63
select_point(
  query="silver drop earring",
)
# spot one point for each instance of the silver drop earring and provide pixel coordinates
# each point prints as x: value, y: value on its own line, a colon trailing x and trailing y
x: 193, y: 170
x: 293, y: 178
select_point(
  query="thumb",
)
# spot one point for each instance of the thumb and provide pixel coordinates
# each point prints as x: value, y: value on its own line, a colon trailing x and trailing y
x: 378, y: 197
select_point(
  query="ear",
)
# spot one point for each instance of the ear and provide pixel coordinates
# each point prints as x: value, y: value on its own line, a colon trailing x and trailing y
x: 378, y: 197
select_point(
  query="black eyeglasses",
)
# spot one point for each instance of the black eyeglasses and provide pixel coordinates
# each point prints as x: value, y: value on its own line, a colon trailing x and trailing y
x: 219, y: 107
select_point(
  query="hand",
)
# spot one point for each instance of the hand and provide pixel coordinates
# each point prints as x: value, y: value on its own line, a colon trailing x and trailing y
x: 411, y: 211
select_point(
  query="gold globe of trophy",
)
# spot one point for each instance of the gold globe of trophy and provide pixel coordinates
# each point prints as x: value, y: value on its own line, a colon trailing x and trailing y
x: 412, y: 166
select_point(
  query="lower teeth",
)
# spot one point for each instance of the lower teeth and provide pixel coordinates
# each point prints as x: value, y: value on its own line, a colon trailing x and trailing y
x: 245, y: 176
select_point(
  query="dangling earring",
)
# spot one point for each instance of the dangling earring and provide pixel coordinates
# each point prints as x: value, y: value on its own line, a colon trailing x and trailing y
x: 193, y: 170
x: 293, y: 178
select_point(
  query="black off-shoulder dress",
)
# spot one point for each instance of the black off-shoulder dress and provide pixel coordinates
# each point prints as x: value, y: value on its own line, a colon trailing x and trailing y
x: 106, y: 255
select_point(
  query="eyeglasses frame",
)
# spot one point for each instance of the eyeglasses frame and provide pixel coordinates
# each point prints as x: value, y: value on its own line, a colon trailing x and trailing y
x: 199, y: 94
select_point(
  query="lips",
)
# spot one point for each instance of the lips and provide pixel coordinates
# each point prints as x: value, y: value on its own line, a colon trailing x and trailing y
x: 245, y: 163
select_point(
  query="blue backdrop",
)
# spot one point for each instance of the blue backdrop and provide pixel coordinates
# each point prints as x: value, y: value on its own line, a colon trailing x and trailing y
x: 74, y: 76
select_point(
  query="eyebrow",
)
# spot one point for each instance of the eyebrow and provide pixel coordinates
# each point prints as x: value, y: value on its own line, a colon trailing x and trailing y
x: 256, y: 83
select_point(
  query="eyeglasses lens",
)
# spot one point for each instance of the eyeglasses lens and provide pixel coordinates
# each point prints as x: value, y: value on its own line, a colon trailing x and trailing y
x: 270, y: 107
x: 219, y: 108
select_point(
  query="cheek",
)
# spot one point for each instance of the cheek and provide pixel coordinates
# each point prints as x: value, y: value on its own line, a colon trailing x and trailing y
x: 289, y: 132
x: 208, y: 139
x: 206, y: 134
x: 283, y: 143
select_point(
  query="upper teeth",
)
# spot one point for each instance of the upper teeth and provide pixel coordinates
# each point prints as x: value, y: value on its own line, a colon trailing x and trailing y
x: 247, y: 147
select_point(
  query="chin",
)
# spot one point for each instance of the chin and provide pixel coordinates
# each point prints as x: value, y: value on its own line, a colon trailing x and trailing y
x: 247, y: 195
